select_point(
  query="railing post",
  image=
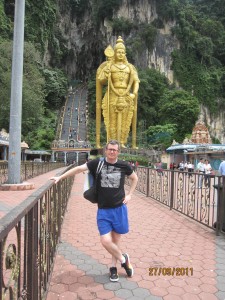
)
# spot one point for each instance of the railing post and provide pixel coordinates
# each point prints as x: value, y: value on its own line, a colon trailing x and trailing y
x: 148, y: 177
x: 222, y: 204
x: 1, y: 268
x: 19, y: 259
x: 36, y: 282
x: 218, y: 205
x: 60, y: 188
x: 32, y: 170
x: 172, y: 189
x: 25, y: 171
x: 32, y: 254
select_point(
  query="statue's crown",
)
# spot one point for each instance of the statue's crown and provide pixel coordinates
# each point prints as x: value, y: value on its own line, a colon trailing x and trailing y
x: 119, y: 43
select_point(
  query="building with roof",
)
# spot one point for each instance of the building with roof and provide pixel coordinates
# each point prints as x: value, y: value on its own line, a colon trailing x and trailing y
x: 4, y: 146
x: 199, y: 145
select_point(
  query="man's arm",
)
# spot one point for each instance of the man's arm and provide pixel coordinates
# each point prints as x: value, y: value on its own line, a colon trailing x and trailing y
x: 71, y: 172
x: 133, y: 183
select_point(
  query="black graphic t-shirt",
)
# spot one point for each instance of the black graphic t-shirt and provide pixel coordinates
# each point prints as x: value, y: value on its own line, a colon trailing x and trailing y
x: 110, y: 183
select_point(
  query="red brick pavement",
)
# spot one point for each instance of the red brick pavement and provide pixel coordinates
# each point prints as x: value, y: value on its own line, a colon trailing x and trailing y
x: 158, y: 238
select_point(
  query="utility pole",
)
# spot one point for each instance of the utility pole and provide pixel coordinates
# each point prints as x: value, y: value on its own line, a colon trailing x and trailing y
x: 16, y: 95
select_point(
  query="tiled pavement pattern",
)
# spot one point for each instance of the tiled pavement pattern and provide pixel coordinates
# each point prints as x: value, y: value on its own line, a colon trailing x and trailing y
x: 158, y: 238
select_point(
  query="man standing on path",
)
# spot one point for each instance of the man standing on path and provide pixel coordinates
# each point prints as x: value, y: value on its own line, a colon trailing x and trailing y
x: 112, y: 214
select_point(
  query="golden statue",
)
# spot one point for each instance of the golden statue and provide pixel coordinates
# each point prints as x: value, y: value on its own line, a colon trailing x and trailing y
x: 119, y: 105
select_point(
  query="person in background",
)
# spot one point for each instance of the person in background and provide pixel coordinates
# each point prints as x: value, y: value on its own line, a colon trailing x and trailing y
x: 208, y: 170
x: 190, y: 168
x: 181, y: 166
x: 201, y: 170
x: 159, y: 168
x: 112, y: 214
x: 222, y: 168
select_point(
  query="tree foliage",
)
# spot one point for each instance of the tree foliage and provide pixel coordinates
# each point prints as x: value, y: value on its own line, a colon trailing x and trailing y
x: 207, y: 84
x: 152, y: 87
x: 41, y: 21
x: 5, y: 22
x: 148, y: 34
x: 199, y: 64
x: 161, y: 134
x: 122, y: 26
x: 41, y: 137
x: 180, y: 108
x: 55, y: 87
x: 33, y: 83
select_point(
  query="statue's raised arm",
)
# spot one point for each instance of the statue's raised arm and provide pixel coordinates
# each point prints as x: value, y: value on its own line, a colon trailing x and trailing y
x: 119, y: 104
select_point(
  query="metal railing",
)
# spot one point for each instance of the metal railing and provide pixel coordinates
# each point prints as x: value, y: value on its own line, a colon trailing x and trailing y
x: 29, y: 169
x: 194, y: 195
x: 29, y: 235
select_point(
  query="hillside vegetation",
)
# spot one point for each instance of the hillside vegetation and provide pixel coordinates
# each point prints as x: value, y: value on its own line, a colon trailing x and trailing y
x: 165, y: 112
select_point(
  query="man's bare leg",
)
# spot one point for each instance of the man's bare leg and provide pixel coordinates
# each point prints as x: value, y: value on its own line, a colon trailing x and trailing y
x: 115, y: 239
x: 110, y: 243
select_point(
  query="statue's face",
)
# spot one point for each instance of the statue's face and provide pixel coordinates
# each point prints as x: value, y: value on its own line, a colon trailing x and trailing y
x: 120, y: 54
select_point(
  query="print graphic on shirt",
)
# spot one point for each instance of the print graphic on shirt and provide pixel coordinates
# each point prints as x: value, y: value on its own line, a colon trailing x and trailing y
x: 110, y: 177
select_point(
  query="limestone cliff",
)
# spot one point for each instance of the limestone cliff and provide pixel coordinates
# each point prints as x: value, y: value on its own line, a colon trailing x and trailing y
x: 85, y: 45
x: 216, y: 124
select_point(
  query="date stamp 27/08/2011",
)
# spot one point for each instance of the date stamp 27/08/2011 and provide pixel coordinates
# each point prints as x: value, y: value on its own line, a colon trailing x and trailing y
x: 176, y: 271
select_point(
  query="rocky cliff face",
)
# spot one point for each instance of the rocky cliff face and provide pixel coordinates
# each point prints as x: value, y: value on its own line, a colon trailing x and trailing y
x: 216, y: 124
x: 85, y: 46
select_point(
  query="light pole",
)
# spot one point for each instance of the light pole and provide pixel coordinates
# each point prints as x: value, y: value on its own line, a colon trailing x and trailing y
x: 16, y: 95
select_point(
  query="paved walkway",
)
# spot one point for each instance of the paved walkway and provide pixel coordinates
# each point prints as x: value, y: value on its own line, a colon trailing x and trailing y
x: 158, y: 238
x: 160, y: 242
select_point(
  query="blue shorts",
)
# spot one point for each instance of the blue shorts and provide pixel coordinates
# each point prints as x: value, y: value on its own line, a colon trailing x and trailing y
x: 113, y: 219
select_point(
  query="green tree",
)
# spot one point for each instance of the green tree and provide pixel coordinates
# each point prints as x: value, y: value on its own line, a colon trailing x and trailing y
x: 181, y: 108
x: 167, y: 9
x: 148, y: 34
x: 153, y: 84
x: 161, y: 134
x: 207, y: 84
x: 40, y: 21
x: 122, y: 25
x: 56, y: 85
x: 92, y: 96
x: 33, y: 87
x: 42, y: 136
x: 5, y: 23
